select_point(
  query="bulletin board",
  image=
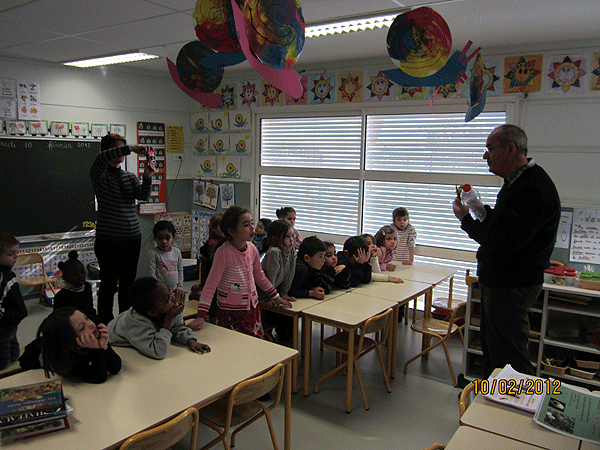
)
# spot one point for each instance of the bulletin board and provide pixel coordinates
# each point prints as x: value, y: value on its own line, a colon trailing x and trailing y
x: 585, y: 236
x: 153, y: 134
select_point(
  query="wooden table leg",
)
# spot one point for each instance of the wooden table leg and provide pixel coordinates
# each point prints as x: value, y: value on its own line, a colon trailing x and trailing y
x: 296, y: 359
x: 288, y: 407
x: 427, y: 315
x: 306, y: 331
x: 350, y: 367
x: 393, y: 342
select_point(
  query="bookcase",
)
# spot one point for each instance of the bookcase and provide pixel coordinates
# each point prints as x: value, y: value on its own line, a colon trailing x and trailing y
x: 564, y: 321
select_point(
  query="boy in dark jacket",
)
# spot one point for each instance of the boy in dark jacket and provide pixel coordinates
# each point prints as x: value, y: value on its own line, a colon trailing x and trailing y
x: 308, y: 280
x: 12, y: 306
x: 356, y: 256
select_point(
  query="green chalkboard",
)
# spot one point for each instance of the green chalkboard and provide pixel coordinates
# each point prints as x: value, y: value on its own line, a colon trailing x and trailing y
x: 45, y: 185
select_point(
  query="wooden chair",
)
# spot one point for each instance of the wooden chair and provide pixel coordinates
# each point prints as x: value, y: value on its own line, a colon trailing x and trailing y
x: 441, y: 330
x: 466, y: 397
x: 35, y: 259
x: 162, y: 437
x: 381, y: 326
x: 242, y: 407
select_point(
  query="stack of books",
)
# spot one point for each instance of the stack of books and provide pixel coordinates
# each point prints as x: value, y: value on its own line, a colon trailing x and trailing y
x: 32, y: 410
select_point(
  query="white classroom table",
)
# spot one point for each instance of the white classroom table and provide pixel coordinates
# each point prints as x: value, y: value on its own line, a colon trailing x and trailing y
x: 349, y: 312
x: 296, y: 312
x: 147, y: 392
x: 402, y: 294
x: 469, y: 438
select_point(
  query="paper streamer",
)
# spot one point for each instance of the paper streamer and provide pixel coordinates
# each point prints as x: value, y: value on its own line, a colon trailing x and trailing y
x: 286, y: 80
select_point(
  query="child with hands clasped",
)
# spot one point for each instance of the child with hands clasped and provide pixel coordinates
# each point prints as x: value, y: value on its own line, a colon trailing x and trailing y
x: 374, y: 262
x: 164, y: 261
x: 234, y: 275
x: 153, y: 321
x: 308, y: 279
x: 407, y: 235
x: 356, y: 256
x: 73, y: 345
x: 334, y: 275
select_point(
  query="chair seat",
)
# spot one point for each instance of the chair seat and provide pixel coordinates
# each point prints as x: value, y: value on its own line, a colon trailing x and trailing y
x: 433, y: 326
x: 216, y: 412
x: 190, y: 309
x: 339, y: 342
x: 34, y: 281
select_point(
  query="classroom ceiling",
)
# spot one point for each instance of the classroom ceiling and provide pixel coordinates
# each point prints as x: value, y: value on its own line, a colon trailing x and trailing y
x: 57, y: 31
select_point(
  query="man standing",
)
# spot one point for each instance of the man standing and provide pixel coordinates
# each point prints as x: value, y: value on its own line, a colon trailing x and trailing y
x: 516, y: 240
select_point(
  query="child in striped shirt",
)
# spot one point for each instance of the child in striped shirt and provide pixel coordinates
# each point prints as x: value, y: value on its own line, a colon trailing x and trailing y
x: 407, y: 235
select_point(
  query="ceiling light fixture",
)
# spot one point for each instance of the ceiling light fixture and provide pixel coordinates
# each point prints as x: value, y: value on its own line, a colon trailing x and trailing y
x: 348, y: 26
x: 116, y: 59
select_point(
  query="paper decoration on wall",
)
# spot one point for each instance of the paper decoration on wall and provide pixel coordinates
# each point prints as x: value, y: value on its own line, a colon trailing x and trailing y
x: 228, y: 96
x: 303, y: 100
x: 229, y: 166
x: 2, y: 130
x: 219, y: 121
x: 241, y: 144
x: 200, y: 144
x: 8, y: 109
x: 477, y: 92
x: 199, y: 122
x: 200, y: 221
x: 320, y: 88
x: 28, y: 100
x: 219, y: 144
x: 350, y: 87
x: 523, y: 73
x: 80, y: 129
x: 566, y: 73
x: 379, y: 87
x: 248, y: 92
x: 227, y: 195
x: 8, y: 87
x: 198, y: 194
x: 99, y: 130
x: 16, y: 127
x: 152, y: 133
x: 411, y: 93
x: 211, y: 193
x: 419, y: 43
x: 493, y: 86
x: 59, y: 128
x: 240, y: 121
x: 595, y: 72
x: 207, y: 166
x: 38, y: 127
x: 270, y: 95
x: 119, y: 129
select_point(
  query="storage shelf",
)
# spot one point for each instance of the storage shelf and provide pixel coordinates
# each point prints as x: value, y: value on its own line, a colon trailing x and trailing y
x: 570, y: 346
x: 593, y: 382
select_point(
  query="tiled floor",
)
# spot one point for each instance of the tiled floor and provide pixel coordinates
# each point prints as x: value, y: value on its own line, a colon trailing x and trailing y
x: 421, y: 409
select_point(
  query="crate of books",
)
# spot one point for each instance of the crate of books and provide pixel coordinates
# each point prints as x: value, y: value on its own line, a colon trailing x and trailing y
x: 32, y: 410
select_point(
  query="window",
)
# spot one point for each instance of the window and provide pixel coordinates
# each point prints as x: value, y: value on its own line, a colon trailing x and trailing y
x: 344, y: 174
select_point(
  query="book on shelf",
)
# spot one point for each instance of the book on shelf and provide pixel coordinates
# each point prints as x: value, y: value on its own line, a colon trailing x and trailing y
x: 31, y: 404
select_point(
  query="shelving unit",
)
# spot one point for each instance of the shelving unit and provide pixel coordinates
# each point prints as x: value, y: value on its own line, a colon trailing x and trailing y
x: 563, y: 328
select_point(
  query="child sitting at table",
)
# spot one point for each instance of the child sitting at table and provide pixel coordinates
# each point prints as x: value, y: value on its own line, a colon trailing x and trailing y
x: 260, y: 233
x: 76, y: 292
x: 386, y: 241
x: 356, y: 257
x: 73, y: 345
x: 279, y: 264
x: 234, y: 275
x: 374, y: 262
x: 164, y: 261
x: 153, y: 321
x: 334, y: 275
x: 308, y: 278
x: 407, y: 235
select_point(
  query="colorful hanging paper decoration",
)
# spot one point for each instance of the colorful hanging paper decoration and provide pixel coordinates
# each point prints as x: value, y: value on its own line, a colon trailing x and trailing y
x: 269, y: 34
x: 566, y: 73
x: 379, y: 87
x: 477, y: 90
x: 523, y: 73
x: 419, y: 43
x: 595, y: 70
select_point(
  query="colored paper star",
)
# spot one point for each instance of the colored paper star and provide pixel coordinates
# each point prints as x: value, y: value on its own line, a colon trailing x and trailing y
x: 322, y: 88
x: 380, y: 86
x: 521, y: 73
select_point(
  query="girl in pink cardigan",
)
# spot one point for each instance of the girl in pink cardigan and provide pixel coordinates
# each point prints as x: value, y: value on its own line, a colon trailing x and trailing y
x: 386, y: 241
x: 234, y: 274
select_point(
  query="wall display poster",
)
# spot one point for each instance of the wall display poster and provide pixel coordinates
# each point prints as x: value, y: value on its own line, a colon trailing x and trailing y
x: 563, y: 234
x: 227, y: 195
x: 200, y: 221
x: 211, y: 194
x: 99, y: 130
x: 8, y: 88
x: 198, y: 194
x: 28, y: 100
x: 8, y: 109
x: 585, y: 236
x: 38, y: 127
x: 182, y: 221
x: 174, y: 139
x: 153, y: 134
x: 207, y: 166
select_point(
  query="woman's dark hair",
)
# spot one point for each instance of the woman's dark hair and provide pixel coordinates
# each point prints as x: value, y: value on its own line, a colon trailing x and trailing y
x: 230, y: 219
x: 276, y: 231
x: 110, y: 141
x: 162, y: 225
x: 140, y: 295
x: 71, y: 263
x: 56, y: 338
x: 283, y: 212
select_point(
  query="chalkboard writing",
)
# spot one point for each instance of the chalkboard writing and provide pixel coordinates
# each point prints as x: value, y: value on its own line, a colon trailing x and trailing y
x: 46, y: 186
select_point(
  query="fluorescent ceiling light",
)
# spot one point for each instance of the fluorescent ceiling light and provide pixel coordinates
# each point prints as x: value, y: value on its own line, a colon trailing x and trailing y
x: 367, y: 23
x: 117, y: 59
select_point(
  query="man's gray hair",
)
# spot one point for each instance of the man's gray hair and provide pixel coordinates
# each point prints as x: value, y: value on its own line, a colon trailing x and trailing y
x: 512, y: 134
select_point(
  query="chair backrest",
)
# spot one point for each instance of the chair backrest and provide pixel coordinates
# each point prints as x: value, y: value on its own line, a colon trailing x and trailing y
x: 375, y: 324
x: 164, y: 436
x: 457, y: 314
x: 251, y: 389
x: 466, y: 397
x: 24, y: 259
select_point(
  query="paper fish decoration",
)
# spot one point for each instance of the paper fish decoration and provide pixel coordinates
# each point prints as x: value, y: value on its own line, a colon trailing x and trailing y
x: 477, y: 90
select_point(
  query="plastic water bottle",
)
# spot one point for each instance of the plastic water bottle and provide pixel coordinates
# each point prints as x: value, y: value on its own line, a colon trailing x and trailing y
x: 470, y: 197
